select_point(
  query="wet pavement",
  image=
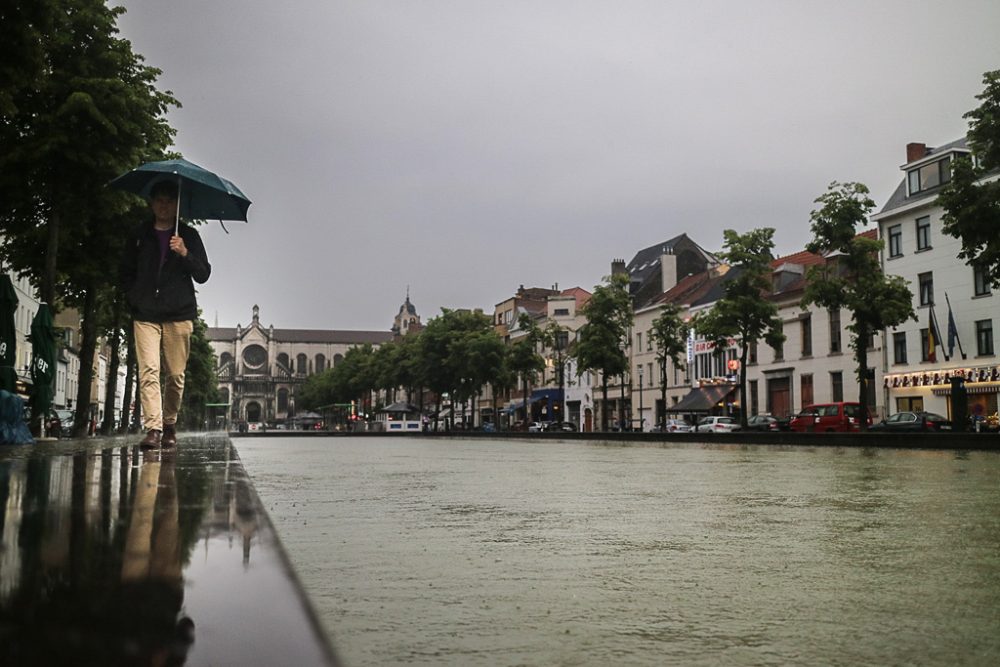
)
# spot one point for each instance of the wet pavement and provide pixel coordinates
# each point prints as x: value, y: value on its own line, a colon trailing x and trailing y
x: 112, y: 555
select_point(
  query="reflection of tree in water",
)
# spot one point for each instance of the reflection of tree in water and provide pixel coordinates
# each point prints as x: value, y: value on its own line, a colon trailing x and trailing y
x: 101, y: 553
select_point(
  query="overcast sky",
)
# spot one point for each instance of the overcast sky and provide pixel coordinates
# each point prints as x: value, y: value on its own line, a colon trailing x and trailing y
x: 464, y: 147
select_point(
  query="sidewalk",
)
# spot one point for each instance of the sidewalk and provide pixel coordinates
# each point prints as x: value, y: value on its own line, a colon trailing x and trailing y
x: 111, y: 555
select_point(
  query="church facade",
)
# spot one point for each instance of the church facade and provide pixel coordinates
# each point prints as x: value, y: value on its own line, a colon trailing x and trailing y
x: 261, y: 368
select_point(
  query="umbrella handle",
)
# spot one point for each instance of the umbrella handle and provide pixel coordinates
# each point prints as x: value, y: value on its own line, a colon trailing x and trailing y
x: 177, y: 213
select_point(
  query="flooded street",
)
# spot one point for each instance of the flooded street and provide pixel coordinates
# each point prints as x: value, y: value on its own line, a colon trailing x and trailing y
x: 475, y: 552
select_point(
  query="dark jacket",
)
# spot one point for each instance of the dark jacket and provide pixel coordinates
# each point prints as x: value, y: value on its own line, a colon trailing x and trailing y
x: 162, y: 294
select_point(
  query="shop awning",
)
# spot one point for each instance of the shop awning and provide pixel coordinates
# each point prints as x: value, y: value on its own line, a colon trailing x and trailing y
x: 977, y: 388
x: 703, y: 399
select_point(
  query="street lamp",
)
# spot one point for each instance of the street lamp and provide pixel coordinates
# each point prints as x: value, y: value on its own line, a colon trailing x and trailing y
x: 640, y: 399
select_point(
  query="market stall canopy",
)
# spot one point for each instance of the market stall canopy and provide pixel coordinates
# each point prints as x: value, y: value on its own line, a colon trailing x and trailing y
x: 703, y: 399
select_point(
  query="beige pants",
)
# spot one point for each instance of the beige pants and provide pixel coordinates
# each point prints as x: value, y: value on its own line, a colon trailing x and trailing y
x: 173, y: 340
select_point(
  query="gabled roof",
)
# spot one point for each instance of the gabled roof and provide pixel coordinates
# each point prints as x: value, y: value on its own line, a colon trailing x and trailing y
x: 691, y: 288
x: 899, y: 197
x: 581, y: 295
x: 648, y: 259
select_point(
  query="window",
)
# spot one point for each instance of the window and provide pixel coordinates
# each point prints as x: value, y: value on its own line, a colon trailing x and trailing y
x: 896, y: 241
x: 807, y: 389
x: 752, y: 356
x: 649, y: 341
x: 638, y: 341
x: 923, y: 233
x: 980, y: 281
x: 834, y: 332
x: 301, y: 364
x: 837, y: 386
x: 649, y: 374
x: 924, y: 344
x: 320, y: 363
x: 910, y: 404
x: 754, y: 401
x: 929, y: 176
x: 926, y: 288
x: 807, y: 334
x: 899, y: 348
x: 984, y: 337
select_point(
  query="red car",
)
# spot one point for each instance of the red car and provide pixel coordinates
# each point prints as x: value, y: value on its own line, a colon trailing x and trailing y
x: 829, y: 418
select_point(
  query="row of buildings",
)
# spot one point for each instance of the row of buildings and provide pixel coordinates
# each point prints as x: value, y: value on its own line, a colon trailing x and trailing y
x: 260, y: 368
x: 67, y: 323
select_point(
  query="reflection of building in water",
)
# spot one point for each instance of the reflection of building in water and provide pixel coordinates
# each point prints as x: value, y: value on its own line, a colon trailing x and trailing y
x: 261, y: 369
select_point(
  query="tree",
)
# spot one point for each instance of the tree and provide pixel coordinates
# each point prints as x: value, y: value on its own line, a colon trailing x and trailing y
x: 744, y: 312
x: 972, y: 203
x: 852, y: 276
x: 524, y: 360
x: 201, y: 383
x: 602, y: 339
x: 86, y: 111
x: 669, y: 334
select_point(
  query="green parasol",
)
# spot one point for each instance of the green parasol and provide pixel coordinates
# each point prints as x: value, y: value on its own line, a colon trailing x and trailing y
x: 43, y: 361
x: 8, y: 335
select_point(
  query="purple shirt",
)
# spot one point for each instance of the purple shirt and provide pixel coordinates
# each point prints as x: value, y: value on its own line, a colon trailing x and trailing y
x: 163, y: 236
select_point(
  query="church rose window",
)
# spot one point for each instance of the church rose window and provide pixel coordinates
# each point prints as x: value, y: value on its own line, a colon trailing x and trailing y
x: 254, y: 356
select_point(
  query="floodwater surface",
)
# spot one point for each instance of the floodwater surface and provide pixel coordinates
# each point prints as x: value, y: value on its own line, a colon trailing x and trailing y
x: 425, y: 551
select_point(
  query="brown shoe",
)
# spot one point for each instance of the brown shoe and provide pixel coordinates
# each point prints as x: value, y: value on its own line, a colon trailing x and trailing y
x: 169, y: 438
x: 152, y: 439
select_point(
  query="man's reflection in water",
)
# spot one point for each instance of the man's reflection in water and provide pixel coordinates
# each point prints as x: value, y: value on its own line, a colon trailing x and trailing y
x: 152, y: 586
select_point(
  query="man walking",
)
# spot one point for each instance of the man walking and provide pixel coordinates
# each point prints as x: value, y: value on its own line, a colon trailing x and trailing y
x: 158, y: 271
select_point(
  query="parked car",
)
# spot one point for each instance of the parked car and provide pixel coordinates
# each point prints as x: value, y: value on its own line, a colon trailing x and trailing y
x: 716, y: 425
x: 672, y: 426
x: 913, y: 421
x: 763, y: 423
x: 564, y: 427
x: 829, y: 418
x: 60, y: 424
x: 536, y: 427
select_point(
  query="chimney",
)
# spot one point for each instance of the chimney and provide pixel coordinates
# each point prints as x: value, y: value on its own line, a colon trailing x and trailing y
x: 668, y: 270
x: 617, y: 266
x: 915, y: 152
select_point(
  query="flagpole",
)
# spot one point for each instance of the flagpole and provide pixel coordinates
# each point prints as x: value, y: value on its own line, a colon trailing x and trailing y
x: 953, y: 328
x: 937, y: 334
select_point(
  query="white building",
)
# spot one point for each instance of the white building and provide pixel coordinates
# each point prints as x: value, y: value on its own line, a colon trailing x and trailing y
x: 260, y: 368
x: 945, y: 289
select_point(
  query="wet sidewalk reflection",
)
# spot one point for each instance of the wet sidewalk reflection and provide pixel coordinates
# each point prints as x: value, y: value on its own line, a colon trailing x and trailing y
x: 113, y: 555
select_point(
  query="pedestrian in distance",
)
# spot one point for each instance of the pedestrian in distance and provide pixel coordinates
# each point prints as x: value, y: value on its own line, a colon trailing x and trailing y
x: 157, y: 274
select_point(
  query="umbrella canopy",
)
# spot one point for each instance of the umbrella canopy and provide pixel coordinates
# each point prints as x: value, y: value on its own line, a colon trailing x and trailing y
x: 43, y: 361
x: 8, y: 335
x: 203, y: 195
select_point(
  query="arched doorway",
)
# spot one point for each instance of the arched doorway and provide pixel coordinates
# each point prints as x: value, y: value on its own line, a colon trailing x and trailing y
x: 253, y: 411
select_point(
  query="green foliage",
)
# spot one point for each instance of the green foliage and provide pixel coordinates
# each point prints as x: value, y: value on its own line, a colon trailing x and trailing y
x: 602, y: 340
x: 852, y: 277
x: 201, y: 383
x: 669, y: 334
x: 971, y: 204
x: 744, y: 312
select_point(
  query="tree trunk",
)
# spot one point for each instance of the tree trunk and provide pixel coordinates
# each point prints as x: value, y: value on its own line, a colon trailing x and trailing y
x: 862, y: 354
x: 47, y: 289
x: 88, y: 344
x: 108, y: 425
x: 604, y: 402
x: 129, y: 378
x: 744, y: 406
x: 663, y: 394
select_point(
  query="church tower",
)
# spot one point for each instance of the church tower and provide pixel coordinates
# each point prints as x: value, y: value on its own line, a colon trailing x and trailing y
x: 406, y: 320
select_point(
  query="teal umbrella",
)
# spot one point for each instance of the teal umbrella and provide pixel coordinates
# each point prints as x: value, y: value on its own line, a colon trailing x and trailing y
x: 8, y: 335
x: 202, y: 194
x: 43, y: 361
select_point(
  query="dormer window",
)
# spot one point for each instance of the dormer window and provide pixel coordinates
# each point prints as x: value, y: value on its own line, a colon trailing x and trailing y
x: 929, y: 175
